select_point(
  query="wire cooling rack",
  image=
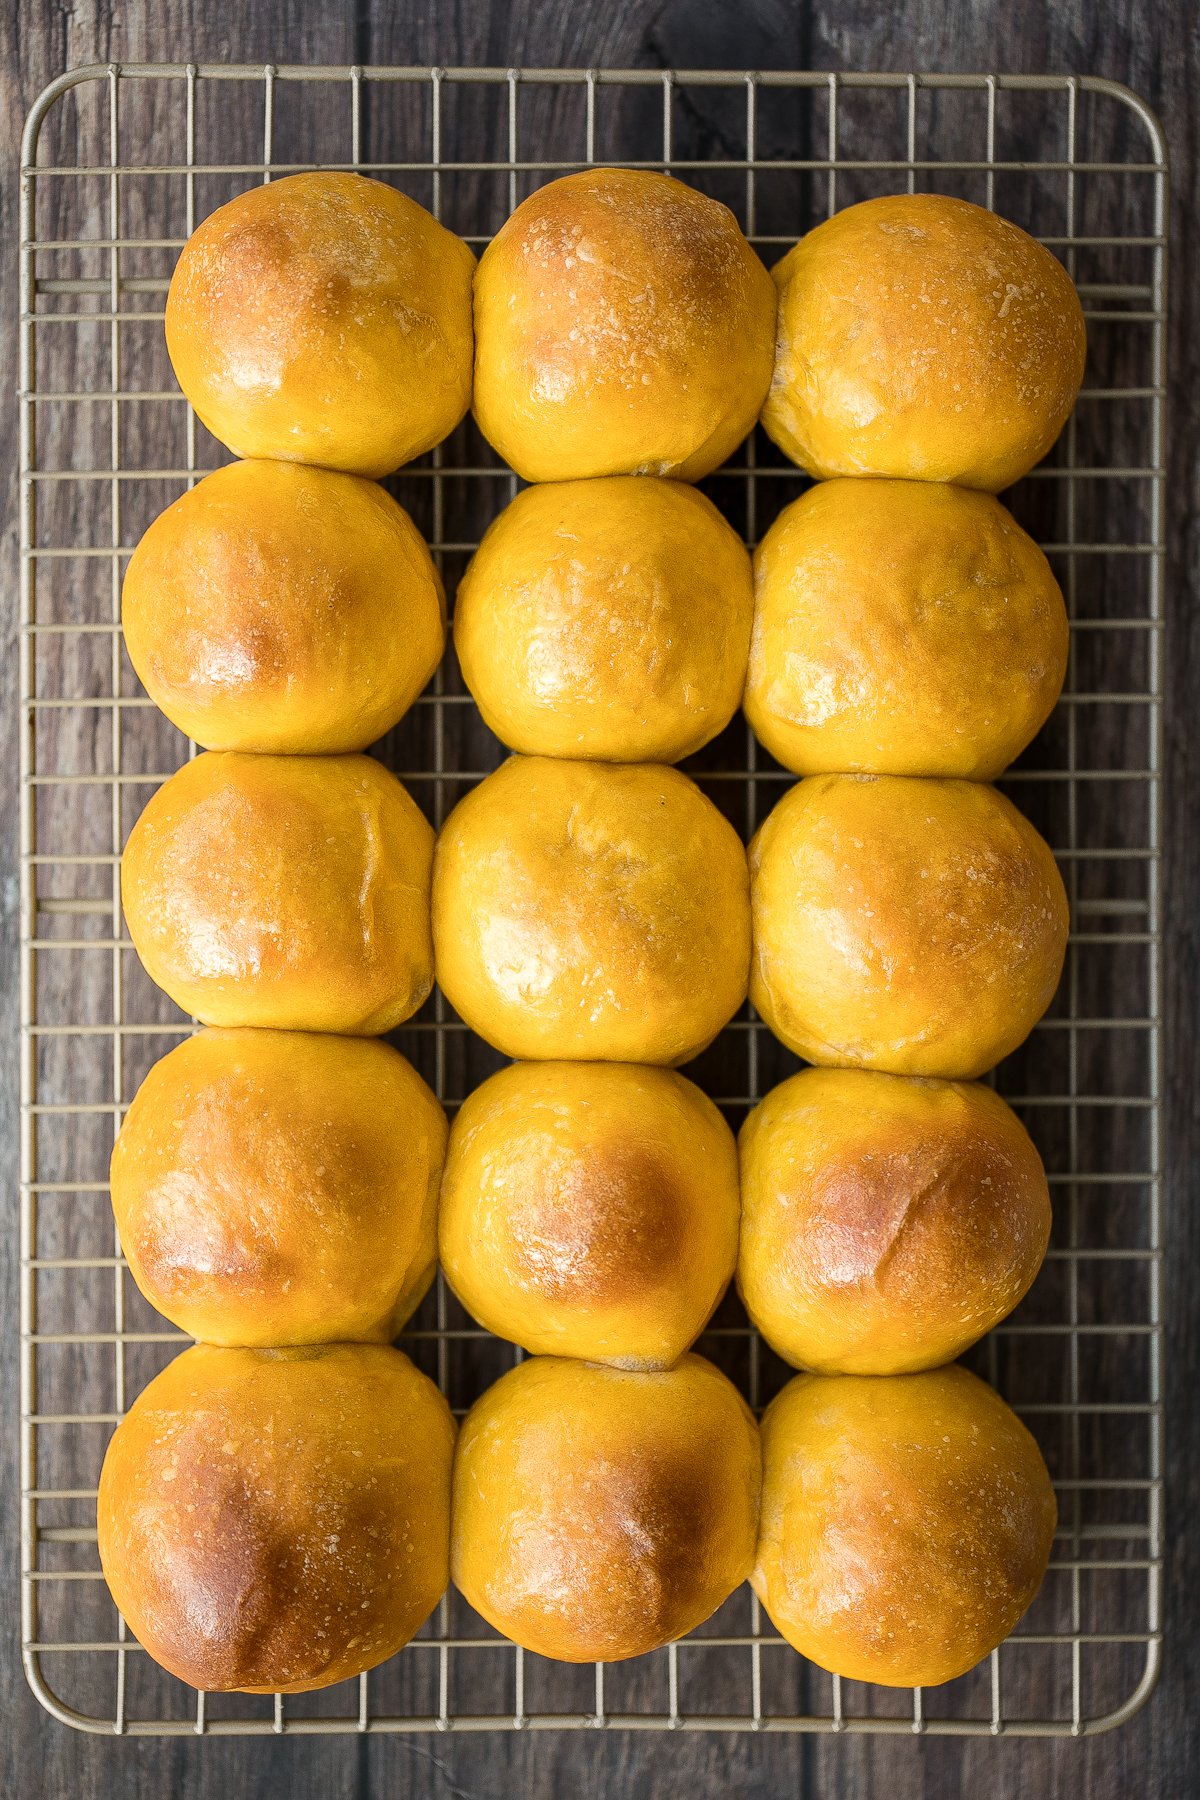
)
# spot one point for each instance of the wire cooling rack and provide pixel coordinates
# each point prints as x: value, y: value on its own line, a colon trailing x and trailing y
x: 120, y: 164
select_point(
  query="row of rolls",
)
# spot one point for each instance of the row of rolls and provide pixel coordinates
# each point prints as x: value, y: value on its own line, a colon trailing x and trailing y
x: 283, y: 1505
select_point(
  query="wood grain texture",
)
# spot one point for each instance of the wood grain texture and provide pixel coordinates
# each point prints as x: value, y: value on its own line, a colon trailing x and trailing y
x: 1157, y: 51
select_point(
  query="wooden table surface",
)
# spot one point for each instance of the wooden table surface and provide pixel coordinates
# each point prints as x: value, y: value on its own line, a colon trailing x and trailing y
x: 1155, y: 48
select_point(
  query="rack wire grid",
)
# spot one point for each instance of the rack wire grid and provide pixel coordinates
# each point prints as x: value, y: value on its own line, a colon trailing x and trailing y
x: 120, y: 164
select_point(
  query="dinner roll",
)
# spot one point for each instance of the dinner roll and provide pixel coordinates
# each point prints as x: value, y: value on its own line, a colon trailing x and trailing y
x: 923, y: 337
x: 324, y: 319
x: 902, y: 628
x: 279, y: 1187
x: 278, y: 1520
x: 913, y: 926
x: 275, y: 607
x: 606, y: 619
x: 887, y: 1222
x: 906, y: 1523
x: 598, y: 1513
x: 590, y: 1209
x: 623, y: 326
x: 592, y: 911
x: 283, y: 890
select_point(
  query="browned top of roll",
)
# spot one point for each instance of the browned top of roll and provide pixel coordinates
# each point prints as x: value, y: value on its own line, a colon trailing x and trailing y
x: 623, y: 326
x: 598, y: 1512
x: 887, y: 1222
x: 276, y: 1520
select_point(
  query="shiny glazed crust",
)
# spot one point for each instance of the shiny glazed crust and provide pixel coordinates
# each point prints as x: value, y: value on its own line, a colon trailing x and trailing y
x: 623, y: 326
x: 591, y: 911
x: 606, y: 619
x: 280, y: 1187
x: 902, y: 628
x: 598, y: 1513
x: 285, y: 891
x: 280, y: 608
x: 923, y: 337
x: 918, y: 927
x: 278, y: 1519
x: 324, y: 318
x: 887, y: 1222
x: 590, y: 1209
x: 906, y: 1523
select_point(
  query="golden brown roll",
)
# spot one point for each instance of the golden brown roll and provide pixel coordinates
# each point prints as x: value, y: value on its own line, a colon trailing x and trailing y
x: 290, y: 891
x: 887, y: 1222
x: 598, y: 1513
x: 623, y: 326
x: 591, y: 911
x: 606, y: 619
x: 590, y: 1209
x: 280, y: 1187
x: 326, y: 319
x: 906, y: 1523
x: 902, y: 628
x: 278, y: 1520
x: 917, y: 927
x: 275, y: 607
x: 925, y: 338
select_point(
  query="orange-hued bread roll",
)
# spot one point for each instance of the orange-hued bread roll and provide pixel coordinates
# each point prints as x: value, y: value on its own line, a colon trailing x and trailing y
x: 606, y: 619
x: 591, y: 1210
x: 887, y: 1222
x: 325, y: 319
x: 290, y: 891
x: 591, y: 911
x: 906, y: 1523
x: 902, y: 628
x: 275, y: 607
x: 623, y: 326
x: 280, y: 1187
x: 599, y: 1513
x: 917, y: 927
x: 925, y: 338
x: 278, y: 1520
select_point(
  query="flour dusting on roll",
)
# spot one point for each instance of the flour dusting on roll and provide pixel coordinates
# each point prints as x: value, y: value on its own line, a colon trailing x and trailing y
x: 623, y: 326
x: 925, y: 338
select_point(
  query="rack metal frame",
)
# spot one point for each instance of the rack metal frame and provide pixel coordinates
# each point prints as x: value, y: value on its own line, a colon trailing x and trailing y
x: 76, y: 755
